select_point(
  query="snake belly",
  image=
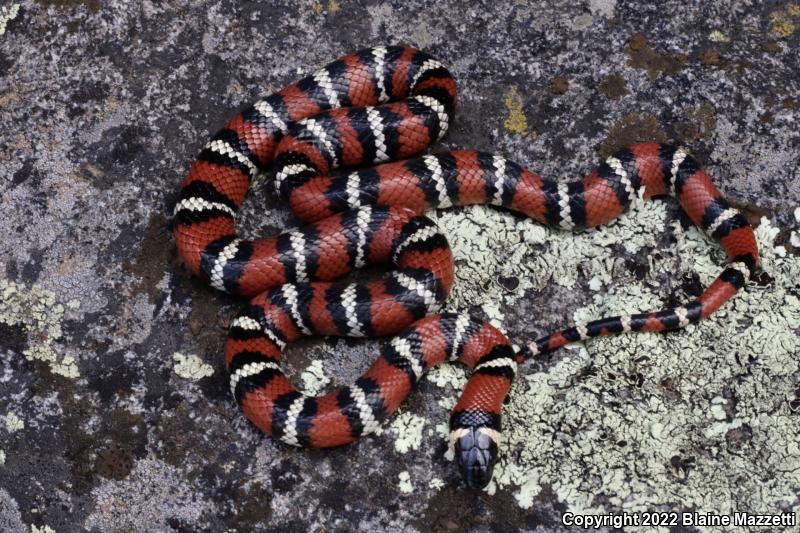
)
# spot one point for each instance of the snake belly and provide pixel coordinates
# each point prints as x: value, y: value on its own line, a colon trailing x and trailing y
x: 384, y: 106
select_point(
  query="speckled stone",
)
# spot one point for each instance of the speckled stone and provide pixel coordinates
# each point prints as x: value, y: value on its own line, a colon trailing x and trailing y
x: 115, y: 413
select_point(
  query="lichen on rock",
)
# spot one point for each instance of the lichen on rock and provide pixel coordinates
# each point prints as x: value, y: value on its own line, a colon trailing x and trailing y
x: 405, y: 484
x: 191, y: 367
x: 314, y: 378
x: 7, y: 14
x: 109, y: 103
x: 648, y: 387
x: 37, y: 311
x: 408, y: 428
x: 13, y: 422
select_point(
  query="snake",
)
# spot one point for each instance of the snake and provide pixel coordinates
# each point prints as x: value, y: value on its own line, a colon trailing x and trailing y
x: 346, y: 149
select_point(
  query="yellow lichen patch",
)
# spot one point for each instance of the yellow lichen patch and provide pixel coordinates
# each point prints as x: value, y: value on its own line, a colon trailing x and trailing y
x: 782, y: 25
x: 516, y: 121
x: 14, y: 423
x: 7, y: 14
x: 793, y: 10
x: 409, y: 431
x: 191, y: 367
x: 782, y: 28
x: 333, y: 7
x: 719, y: 37
x: 35, y: 309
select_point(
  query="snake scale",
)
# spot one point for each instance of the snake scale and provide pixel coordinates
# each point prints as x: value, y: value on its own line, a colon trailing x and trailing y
x: 375, y: 112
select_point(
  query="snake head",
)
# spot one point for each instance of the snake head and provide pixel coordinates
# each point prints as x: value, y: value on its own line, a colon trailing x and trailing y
x: 476, y: 452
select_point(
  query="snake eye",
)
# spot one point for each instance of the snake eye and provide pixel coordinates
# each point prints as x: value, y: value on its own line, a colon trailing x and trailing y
x: 476, y: 452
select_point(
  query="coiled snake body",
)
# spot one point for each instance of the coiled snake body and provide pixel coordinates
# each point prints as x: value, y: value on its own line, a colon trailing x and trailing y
x: 369, y: 107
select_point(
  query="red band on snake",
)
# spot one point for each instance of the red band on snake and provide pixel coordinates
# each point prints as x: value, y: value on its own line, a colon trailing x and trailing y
x: 369, y: 107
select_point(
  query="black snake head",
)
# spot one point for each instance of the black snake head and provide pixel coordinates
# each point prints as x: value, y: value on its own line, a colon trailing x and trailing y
x: 476, y: 452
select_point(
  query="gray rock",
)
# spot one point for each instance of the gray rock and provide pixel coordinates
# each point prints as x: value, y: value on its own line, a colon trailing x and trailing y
x: 104, y: 105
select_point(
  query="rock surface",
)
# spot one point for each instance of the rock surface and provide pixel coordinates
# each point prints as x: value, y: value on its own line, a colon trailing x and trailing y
x: 114, y: 408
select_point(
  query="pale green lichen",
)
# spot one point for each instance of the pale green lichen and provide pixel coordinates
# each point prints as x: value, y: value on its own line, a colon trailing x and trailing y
x: 314, y: 378
x: 408, y: 428
x: 620, y: 436
x: 7, y: 14
x: 604, y: 8
x: 13, y: 422
x: 43, y: 529
x: 2, y: 457
x: 581, y: 22
x: 436, y: 484
x: 493, y: 313
x: 446, y: 376
x: 191, y: 367
x: 718, y: 37
x: 480, y: 264
x: 405, y: 485
x: 37, y: 311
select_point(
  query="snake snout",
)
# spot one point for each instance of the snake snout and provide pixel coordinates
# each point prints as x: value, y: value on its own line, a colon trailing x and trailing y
x: 476, y: 452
